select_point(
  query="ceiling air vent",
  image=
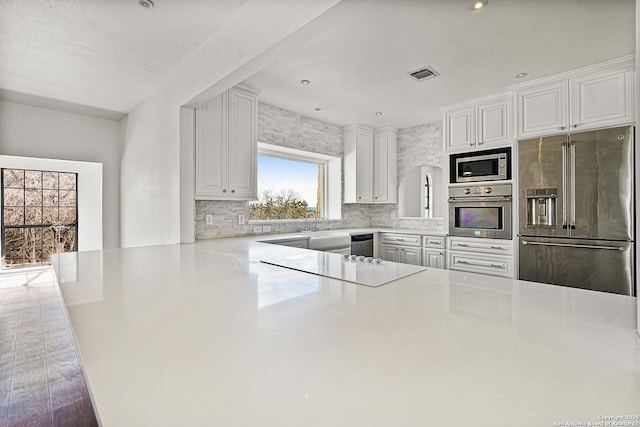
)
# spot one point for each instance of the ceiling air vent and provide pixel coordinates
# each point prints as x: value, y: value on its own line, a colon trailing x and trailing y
x: 424, y: 73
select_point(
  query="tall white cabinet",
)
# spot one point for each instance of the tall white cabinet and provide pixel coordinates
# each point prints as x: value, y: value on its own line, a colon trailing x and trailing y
x: 226, y: 147
x: 370, y: 165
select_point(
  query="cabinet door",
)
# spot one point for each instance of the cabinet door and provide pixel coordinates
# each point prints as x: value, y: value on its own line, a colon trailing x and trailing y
x: 364, y: 165
x: 543, y: 110
x: 211, y: 149
x: 390, y: 253
x: 411, y: 255
x: 494, y: 120
x: 460, y: 128
x: 494, y: 265
x: 433, y: 258
x: 243, y: 144
x: 602, y: 99
x: 380, y: 167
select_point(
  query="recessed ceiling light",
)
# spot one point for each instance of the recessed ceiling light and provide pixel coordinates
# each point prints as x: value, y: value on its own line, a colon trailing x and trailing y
x: 147, y: 4
x: 521, y: 75
x: 305, y: 82
x: 378, y: 113
x: 318, y: 109
x: 478, y: 4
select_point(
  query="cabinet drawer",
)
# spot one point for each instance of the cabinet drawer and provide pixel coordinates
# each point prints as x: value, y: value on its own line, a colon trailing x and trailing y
x: 494, y: 265
x: 433, y: 242
x: 402, y: 239
x: 493, y: 246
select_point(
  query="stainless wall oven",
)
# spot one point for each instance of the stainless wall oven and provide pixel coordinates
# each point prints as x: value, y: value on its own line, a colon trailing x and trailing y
x: 480, y: 211
x: 487, y: 165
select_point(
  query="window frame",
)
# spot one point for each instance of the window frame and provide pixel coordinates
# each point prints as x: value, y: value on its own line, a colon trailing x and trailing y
x: 331, y: 167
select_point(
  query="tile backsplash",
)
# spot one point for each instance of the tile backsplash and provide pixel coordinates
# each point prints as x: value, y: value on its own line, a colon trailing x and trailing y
x: 417, y: 145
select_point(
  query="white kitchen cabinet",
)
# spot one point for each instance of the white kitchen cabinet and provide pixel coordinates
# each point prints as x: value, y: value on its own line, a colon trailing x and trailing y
x: 433, y: 252
x: 226, y: 147
x: 460, y: 128
x: 478, y: 123
x: 433, y: 258
x: 403, y: 254
x: 591, y: 97
x: 479, y: 255
x: 404, y: 248
x: 370, y: 165
x: 602, y: 100
x: 543, y: 109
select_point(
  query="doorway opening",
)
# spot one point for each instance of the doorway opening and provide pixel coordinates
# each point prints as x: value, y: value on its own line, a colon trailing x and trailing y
x: 39, y: 216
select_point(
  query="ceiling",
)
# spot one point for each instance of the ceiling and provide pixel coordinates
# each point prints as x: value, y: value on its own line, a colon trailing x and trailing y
x: 360, y: 67
x: 111, y: 54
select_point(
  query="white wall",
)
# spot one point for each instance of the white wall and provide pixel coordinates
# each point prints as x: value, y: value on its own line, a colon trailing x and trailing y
x: 43, y: 133
x: 151, y: 166
x: 637, y: 106
x: 89, y: 193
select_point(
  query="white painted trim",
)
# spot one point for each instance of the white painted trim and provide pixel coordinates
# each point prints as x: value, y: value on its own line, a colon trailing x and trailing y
x: 89, y: 193
x: 332, y: 173
x: 617, y: 63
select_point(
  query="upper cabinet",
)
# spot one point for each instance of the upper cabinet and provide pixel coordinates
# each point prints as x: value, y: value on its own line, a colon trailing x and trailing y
x: 592, y: 97
x: 478, y: 123
x: 226, y: 147
x: 370, y: 165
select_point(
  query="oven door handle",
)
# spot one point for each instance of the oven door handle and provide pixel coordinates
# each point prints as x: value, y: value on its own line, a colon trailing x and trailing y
x: 480, y: 199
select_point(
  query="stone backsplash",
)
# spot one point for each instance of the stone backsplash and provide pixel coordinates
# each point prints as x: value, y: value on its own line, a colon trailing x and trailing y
x: 417, y: 145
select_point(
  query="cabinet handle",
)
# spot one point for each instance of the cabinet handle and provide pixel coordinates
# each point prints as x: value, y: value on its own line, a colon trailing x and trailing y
x: 575, y: 126
x: 233, y: 191
x: 496, y: 247
x: 224, y: 191
x: 471, y: 144
x: 359, y: 198
x: 376, y: 197
x: 480, y: 142
x: 480, y: 265
x: 562, y: 128
x: 462, y: 244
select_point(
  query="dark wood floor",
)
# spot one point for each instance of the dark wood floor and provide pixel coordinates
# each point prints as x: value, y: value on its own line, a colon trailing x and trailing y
x: 41, y: 383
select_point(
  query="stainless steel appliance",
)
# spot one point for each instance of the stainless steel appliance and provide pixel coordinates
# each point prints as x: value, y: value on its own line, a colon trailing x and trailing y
x: 576, y: 210
x: 362, y: 244
x: 480, y: 211
x: 487, y: 165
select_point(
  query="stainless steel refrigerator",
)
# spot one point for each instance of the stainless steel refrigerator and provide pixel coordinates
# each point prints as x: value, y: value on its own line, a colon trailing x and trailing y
x: 576, y: 210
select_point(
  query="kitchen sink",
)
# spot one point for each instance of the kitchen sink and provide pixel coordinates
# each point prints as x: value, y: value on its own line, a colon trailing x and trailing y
x: 329, y: 241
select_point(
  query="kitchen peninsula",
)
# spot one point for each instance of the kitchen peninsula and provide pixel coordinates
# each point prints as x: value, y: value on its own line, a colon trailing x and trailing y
x: 205, y: 334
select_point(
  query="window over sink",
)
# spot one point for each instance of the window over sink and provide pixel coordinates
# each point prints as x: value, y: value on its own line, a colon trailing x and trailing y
x: 296, y: 185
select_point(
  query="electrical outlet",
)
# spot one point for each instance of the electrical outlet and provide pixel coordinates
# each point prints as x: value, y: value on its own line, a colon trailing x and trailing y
x: 208, y: 219
x: 241, y: 219
x: 266, y: 229
x: 257, y: 229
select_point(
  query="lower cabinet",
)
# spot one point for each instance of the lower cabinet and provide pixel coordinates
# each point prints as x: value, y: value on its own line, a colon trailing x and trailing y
x: 404, y: 248
x: 403, y: 254
x: 486, y: 256
x: 433, y: 252
x: 427, y: 251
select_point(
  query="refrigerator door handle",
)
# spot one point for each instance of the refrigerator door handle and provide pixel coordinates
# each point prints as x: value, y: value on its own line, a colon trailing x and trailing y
x: 567, y: 245
x: 564, y: 186
x: 572, y: 183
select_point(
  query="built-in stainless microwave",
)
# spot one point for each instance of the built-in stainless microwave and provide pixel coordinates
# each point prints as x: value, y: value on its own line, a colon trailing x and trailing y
x: 487, y: 165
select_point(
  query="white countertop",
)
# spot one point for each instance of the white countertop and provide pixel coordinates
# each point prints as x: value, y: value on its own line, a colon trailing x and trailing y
x: 350, y: 269
x: 206, y: 335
